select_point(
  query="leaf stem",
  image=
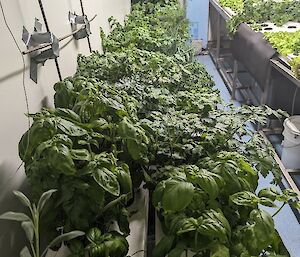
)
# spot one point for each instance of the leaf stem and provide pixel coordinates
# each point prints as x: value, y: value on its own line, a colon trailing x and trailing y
x: 278, y: 210
x: 196, y: 240
x: 33, y: 250
x: 114, y: 202
x: 37, y: 237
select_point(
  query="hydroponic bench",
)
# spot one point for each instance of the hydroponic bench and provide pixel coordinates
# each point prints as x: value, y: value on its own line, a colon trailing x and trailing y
x: 279, y: 78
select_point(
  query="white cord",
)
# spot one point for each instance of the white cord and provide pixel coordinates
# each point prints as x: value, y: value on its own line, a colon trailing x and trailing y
x: 294, y: 100
x: 5, y: 183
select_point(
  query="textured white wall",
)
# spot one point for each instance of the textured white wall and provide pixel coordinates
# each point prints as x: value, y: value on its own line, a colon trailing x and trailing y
x: 12, y: 100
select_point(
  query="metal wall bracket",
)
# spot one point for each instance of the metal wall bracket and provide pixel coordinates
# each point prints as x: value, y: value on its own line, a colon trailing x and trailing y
x: 38, y: 38
x: 77, y: 19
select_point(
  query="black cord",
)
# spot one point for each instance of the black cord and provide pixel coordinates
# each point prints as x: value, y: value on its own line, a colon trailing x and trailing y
x: 137, y: 252
x: 88, y: 38
x: 47, y: 27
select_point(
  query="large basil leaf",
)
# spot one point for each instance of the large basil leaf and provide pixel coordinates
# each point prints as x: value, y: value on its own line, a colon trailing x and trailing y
x: 245, y: 199
x: 64, y: 94
x: 181, y: 191
x: 124, y: 179
x: 251, y: 200
x: 127, y: 129
x: 214, y: 224
x: 67, y: 114
x: 259, y: 233
x: 81, y: 154
x: 206, y: 181
x: 219, y: 250
x: 137, y: 150
x: 69, y: 128
x: 107, y: 180
x: 164, y: 246
x: 158, y: 193
x: 40, y: 131
x: 94, y: 235
x: 177, y: 251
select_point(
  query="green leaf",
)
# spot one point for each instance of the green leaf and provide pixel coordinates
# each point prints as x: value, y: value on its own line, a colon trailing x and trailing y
x: 164, y: 246
x: 123, y: 221
x: 16, y: 216
x: 94, y: 235
x: 69, y: 128
x: 23, y: 199
x: 177, y: 251
x: 264, y: 222
x: 126, y: 129
x: 267, y: 202
x: 25, y: 252
x: 270, y: 193
x: 80, y: 154
x: 29, y: 229
x: 245, y: 198
x: 107, y: 180
x: 124, y: 179
x: 44, y: 198
x: 68, y: 114
x: 214, y: 224
x: 137, y: 150
x: 219, y: 250
x: 185, y: 225
x: 207, y: 182
x: 181, y: 191
x: 64, y: 237
x: 158, y: 193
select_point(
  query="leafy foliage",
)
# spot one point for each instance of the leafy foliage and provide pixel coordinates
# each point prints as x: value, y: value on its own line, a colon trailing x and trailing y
x: 219, y: 215
x: 287, y: 44
x: 256, y: 12
x: 259, y: 11
x: 30, y: 225
x: 146, y: 108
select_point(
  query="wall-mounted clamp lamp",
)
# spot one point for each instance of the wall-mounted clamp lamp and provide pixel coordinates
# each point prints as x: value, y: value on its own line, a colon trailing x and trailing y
x: 77, y: 19
x: 38, y: 41
x: 38, y: 38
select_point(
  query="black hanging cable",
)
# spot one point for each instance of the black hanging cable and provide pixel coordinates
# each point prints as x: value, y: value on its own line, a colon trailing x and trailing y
x: 88, y: 38
x: 47, y: 28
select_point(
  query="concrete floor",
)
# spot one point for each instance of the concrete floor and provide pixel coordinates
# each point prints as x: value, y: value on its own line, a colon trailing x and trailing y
x: 286, y: 222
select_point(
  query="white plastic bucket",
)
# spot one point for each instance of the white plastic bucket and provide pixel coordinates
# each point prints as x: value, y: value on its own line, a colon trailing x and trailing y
x: 291, y: 143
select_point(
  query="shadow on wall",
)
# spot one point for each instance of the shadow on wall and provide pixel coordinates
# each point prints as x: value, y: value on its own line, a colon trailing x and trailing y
x: 12, y: 236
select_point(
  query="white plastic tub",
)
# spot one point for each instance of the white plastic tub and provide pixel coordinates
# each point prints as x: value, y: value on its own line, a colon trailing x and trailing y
x: 291, y: 144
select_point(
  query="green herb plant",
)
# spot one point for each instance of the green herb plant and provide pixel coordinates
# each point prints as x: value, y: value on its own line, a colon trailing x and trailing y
x: 31, y: 225
x: 145, y: 109
x: 257, y: 12
x: 287, y: 44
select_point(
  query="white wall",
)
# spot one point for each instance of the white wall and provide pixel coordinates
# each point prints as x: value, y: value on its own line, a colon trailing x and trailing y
x: 12, y: 100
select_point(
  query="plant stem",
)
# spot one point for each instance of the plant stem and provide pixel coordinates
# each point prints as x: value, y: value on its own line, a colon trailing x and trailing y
x: 32, y: 249
x: 278, y: 210
x: 35, y: 218
x: 37, y: 238
x: 196, y: 240
x: 114, y: 202
x: 35, y: 234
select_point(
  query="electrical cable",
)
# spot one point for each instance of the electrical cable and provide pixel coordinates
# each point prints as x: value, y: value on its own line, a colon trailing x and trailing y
x: 47, y: 28
x: 88, y: 38
x: 294, y: 100
x: 23, y: 85
x: 23, y: 61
